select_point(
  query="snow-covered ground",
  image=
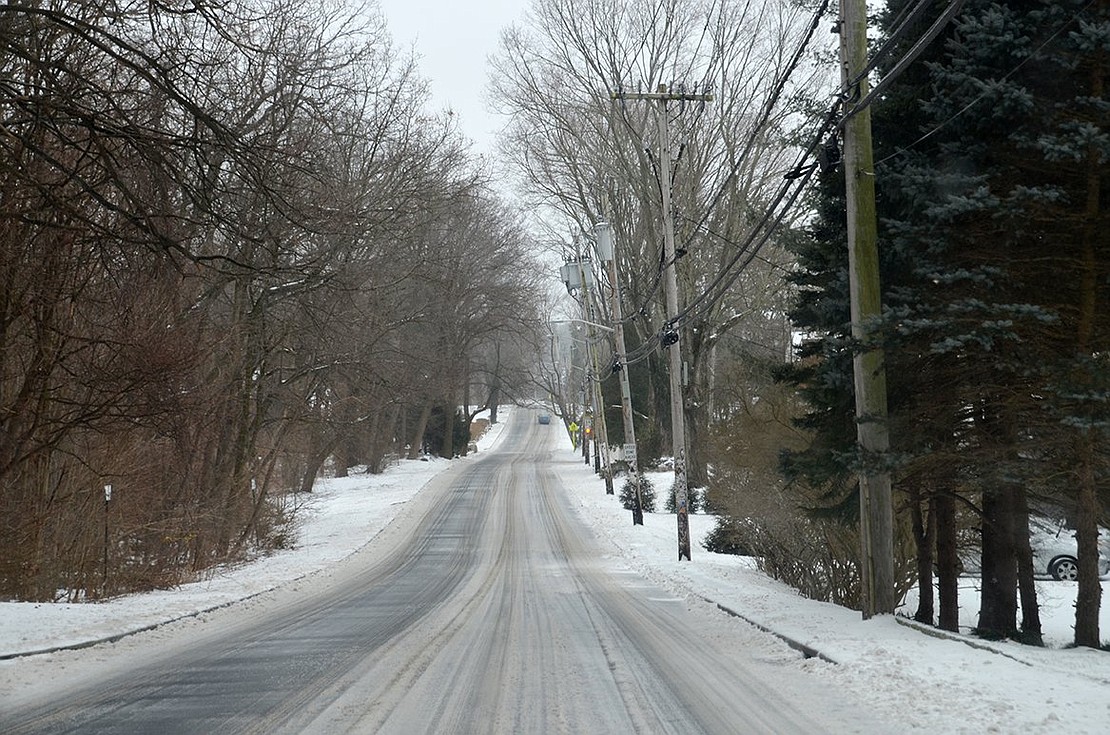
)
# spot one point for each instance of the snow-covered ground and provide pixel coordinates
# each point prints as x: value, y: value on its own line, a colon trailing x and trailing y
x: 950, y: 684
x: 929, y: 684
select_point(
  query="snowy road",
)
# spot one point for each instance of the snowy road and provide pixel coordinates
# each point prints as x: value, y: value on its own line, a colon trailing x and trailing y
x: 487, y: 607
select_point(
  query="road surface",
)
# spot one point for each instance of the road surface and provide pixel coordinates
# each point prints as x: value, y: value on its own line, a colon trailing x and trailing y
x: 489, y: 607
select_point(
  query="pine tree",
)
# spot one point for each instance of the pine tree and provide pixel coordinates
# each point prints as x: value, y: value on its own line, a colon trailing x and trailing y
x: 647, y: 495
x: 991, y: 179
x: 1007, y: 207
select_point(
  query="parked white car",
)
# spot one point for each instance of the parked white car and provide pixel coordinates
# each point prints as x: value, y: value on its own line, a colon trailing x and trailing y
x: 1055, y: 551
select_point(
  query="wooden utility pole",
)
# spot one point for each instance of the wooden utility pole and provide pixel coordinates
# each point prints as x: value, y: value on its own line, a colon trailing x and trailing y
x: 662, y: 96
x: 602, y: 465
x: 876, y: 506
x: 597, y: 424
x: 606, y: 250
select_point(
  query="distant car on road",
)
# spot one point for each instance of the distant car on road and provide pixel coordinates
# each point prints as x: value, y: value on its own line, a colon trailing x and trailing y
x: 544, y: 418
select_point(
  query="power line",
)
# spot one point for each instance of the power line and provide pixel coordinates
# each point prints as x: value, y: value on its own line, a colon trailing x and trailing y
x: 799, y: 175
x: 905, y: 20
x: 765, y: 113
x: 903, y: 63
x: 724, y: 279
x: 768, y: 107
x: 729, y: 241
x: 797, y: 179
x: 720, y: 283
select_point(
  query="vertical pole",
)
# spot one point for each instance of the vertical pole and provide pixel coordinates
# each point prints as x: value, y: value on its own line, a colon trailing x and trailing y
x: 104, y: 581
x: 670, y: 281
x: 600, y: 435
x: 678, y: 425
x: 603, y: 463
x: 586, y: 415
x: 630, y: 454
x: 587, y: 394
x: 876, y: 506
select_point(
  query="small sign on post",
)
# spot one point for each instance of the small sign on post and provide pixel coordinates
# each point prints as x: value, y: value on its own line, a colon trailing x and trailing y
x: 104, y: 580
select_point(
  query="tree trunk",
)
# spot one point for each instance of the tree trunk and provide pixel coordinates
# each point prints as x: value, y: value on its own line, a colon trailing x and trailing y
x: 448, y: 451
x: 1030, y: 610
x: 998, y: 609
x: 924, y: 532
x: 948, y: 561
x: 313, y: 464
x: 260, y: 490
x: 695, y: 404
x: 697, y: 467
x: 660, y: 402
x: 1089, y: 593
x: 466, y: 395
x: 421, y: 427
x: 494, y: 399
x: 1088, y: 598
x: 597, y: 455
x: 342, y: 457
x: 382, y: 440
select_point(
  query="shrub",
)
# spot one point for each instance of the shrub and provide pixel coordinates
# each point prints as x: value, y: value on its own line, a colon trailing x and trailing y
x: 729, y: 536
x: 647, y: 495
x: 817, y: 557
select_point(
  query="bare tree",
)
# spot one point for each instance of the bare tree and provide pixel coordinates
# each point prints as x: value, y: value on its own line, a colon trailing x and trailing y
x: 586, y: 157
x: 201, y: 294
x: 480, y: 285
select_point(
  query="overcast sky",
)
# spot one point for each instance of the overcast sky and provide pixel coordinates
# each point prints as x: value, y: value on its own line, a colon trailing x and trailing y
x: 452, y: 39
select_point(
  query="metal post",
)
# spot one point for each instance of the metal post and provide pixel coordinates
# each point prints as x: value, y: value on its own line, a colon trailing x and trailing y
x: 104, y: 581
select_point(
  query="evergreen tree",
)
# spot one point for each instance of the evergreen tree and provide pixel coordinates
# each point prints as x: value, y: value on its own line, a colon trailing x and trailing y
x: 994, y: 242
x: 1009, y: 221
x: 647, y: 495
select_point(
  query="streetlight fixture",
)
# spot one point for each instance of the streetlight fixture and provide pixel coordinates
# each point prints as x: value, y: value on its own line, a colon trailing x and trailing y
x: 595, y: 325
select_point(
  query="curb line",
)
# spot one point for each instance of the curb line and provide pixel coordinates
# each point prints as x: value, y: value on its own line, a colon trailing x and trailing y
x: 806, y: 650
x: 116, y: 637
